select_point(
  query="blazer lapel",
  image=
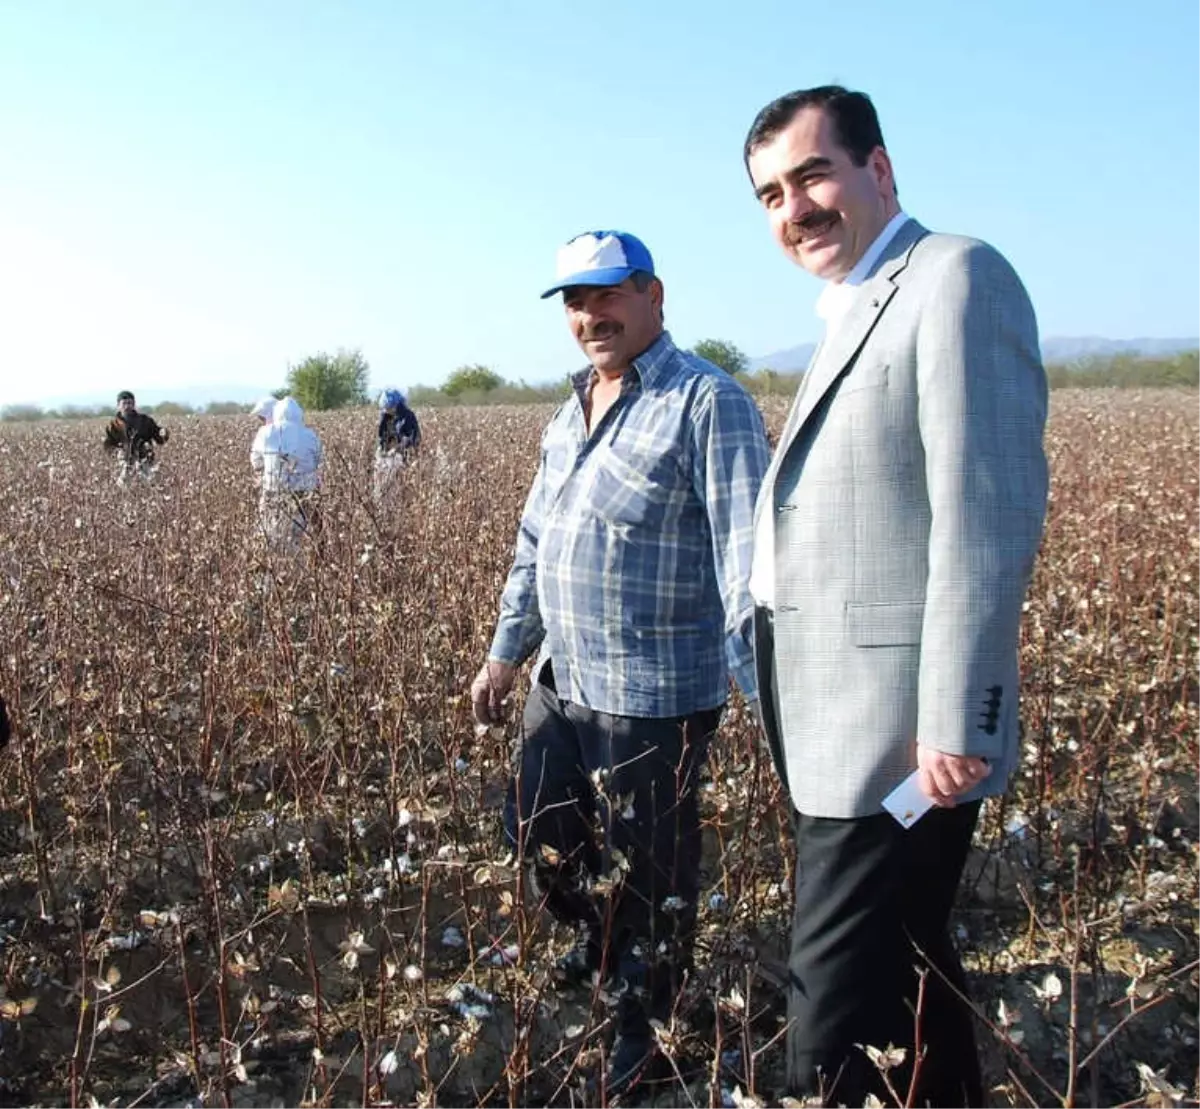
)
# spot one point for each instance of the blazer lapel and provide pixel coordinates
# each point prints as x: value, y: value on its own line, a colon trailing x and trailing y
x: 834, y: 356
x: 790, y: 427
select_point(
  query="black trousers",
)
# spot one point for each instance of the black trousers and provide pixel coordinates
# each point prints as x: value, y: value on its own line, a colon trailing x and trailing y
x: 609, y: 817
x: 868, y: 895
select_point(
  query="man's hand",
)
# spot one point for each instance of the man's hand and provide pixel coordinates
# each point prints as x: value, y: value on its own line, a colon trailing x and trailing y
x: 944, y: 777
x: 491, y: 685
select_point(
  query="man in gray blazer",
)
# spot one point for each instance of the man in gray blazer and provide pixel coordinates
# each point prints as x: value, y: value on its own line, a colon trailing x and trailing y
x: 895, y: 535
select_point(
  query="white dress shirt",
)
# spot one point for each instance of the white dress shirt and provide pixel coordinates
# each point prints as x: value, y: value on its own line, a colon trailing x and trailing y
x: 833, y: 305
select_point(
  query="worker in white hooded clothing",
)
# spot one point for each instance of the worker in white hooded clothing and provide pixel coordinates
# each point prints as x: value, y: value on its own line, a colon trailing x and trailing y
x: 262, y: 411
x: 286, y: 457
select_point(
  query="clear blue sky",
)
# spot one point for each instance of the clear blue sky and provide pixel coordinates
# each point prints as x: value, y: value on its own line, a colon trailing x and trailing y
x: 201, y: 192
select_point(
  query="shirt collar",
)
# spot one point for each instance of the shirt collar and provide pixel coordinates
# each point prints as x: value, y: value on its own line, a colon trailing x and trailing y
x: 836, y: 295
x: 655, y: 360
x: 864, y: 266
x: 648, y: 367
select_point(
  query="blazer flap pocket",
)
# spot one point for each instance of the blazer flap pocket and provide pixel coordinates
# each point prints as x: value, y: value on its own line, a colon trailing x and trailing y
x: 886, y: 625
x: 865, y: 374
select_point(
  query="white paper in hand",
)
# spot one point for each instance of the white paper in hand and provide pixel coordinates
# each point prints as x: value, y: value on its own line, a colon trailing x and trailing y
x: 908, y: 802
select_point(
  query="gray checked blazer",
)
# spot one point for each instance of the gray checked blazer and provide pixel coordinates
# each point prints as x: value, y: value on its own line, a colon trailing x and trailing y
x: 909, y: 491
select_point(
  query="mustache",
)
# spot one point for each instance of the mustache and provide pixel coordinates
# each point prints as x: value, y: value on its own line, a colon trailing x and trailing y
x: 800, y: 229
x: 602, y: 331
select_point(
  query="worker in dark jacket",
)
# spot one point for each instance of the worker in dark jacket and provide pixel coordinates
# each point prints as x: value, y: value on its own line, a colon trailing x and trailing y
x: 399, y: 437
x: 134, y: 435
x: 398, y: 427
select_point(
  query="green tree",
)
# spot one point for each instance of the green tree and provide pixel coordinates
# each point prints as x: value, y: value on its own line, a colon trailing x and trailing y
x: 472, y: 379
x: 171, y: 408
x: 766, y: 381
x: 721, y: 352
x: 329, y: 381
x: 83, y: 411
x: 1125, y: 371
x: 21, y: 413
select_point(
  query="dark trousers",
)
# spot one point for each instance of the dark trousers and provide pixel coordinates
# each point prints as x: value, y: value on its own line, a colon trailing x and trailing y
x: 610, y: 820
x: 868, y: 893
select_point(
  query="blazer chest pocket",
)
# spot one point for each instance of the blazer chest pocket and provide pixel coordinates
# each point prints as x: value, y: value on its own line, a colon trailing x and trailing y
x: 886, y: 625
x: 870, y: 375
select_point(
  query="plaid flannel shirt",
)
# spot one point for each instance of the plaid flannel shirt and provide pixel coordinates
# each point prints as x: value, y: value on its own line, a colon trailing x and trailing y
x: 633, y: 555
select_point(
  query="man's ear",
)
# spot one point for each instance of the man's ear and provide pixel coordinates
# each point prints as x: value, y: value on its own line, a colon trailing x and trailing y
x: 657, y: 296
x: 881, y: 166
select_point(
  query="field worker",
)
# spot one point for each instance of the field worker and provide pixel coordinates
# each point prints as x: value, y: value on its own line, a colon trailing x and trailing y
x: 896, y: 536
x: 133, y: 434
x: 262, y: 411
x: 398, y: 437
x: 631, y: 568
x: 399, y: 430
x: 286, y: 458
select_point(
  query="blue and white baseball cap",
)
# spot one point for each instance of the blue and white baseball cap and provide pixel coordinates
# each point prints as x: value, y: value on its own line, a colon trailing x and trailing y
x: 599, y: 258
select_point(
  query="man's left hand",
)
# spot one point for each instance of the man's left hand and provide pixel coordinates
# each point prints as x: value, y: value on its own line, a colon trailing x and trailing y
x: 944, y: 778
x: 489, y: 689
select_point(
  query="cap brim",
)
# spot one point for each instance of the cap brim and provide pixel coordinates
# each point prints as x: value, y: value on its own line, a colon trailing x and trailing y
x: 612, y: 276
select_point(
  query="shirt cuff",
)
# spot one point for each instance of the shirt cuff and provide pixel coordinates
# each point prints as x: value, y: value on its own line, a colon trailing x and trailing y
x: 747, y: 680
x: 508, y: 645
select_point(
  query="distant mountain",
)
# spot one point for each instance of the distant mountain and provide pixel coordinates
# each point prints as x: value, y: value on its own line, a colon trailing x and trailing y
x: 1054, y: 350
x: 785, y: 361
x: 1071, y: 350
x: 194, y: 395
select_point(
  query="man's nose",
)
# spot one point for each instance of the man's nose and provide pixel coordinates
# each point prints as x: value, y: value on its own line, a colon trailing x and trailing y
x: 796, y: 204
x: 591, y: 314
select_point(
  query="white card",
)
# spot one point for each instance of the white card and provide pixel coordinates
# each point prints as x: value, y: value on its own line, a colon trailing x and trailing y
x: 908, y: 802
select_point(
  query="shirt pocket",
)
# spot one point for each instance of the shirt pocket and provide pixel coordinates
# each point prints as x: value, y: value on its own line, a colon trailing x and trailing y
x: 635, y: 486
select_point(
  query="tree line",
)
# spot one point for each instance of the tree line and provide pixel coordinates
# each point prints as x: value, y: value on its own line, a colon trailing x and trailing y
x: 30, y: 413
x: 342, y: 380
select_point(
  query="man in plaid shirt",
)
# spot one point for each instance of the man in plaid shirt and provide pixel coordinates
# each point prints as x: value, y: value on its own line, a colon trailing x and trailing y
x: 631, y: 575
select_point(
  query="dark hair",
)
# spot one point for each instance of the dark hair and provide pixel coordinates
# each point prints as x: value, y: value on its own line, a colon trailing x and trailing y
x: 642, y: 280
x: 855, y: 124
x: 124, y: 394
